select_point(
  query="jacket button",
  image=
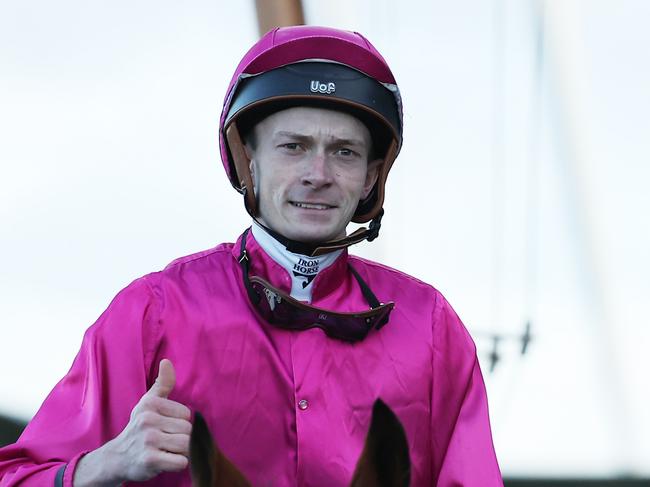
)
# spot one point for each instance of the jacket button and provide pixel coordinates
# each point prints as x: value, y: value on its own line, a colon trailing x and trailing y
x: 303, y: 404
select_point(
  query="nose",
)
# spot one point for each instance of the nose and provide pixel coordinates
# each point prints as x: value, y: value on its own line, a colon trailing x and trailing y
x: 317, y: 172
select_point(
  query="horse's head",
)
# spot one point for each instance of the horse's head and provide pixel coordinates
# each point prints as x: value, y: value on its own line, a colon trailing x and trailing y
x: 384, y: 461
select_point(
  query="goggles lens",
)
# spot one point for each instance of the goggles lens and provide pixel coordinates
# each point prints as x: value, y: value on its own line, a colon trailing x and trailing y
x: 283, y: 311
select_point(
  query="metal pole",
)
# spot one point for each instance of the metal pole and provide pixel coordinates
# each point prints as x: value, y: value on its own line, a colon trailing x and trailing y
x: 278, y: 13
x: 569, y: 67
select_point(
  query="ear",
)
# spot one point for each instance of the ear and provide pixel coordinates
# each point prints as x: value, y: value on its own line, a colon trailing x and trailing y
x: 371, y: 177
x: 385, y: 460
x: 252, y: 165
x: 209, y: 466
x: 248, y: 151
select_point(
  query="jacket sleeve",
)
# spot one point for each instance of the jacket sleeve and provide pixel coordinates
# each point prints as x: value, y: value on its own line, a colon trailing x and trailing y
x: 463, y: 453
x: 93, y: 402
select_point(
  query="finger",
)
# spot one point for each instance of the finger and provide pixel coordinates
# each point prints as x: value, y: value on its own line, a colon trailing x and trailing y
x: 152, y: 421
x: 165, y: 381
x: 176, y: 443
x: 176, y: 426
x: 169, y: 462
x: 172, y: 409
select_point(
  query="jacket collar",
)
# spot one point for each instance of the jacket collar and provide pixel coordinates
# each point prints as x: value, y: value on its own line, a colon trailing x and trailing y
x: 326, y: 282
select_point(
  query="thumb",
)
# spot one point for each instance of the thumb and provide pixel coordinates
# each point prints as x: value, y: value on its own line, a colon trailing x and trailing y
x: 165, y: 380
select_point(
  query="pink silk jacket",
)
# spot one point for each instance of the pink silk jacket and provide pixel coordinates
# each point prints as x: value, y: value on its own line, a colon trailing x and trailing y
x: 288, y: 408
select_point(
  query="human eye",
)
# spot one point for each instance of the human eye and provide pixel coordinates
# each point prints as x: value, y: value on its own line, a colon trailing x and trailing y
x: 346, y: 153
x: 290, y: 146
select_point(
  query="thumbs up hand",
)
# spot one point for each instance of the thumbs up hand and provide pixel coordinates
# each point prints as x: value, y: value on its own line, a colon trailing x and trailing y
x: 165, y: 381
x: 155, y: 440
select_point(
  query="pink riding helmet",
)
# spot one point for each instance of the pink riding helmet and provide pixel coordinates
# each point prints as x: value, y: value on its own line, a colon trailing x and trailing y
x: 312, y: 66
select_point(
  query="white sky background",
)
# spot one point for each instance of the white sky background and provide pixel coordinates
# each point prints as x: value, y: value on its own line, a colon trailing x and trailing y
x: 109, y: 169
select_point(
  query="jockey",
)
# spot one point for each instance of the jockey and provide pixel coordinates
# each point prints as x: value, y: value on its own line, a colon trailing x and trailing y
x: 282, y: 340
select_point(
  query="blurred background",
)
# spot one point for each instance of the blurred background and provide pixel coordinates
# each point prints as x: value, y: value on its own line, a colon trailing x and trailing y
x: 521, y: 192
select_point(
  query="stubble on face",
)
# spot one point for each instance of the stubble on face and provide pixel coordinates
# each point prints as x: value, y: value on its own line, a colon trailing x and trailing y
x: 310, y: 169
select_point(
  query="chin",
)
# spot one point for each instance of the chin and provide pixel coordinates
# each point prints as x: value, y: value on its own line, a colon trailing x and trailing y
x: 307, y: 229
x: 311, y: 235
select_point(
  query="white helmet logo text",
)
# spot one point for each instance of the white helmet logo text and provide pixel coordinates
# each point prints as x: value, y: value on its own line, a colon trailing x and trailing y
x: 318, y: 87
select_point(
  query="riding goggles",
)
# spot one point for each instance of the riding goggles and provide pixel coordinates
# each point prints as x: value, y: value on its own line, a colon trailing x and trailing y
x: 281, y: 310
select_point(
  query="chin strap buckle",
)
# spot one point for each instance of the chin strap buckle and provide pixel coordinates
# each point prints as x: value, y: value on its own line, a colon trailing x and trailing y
x: 375, y: 225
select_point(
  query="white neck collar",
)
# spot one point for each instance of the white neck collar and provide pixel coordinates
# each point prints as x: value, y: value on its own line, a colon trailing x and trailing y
x: 302, y: 268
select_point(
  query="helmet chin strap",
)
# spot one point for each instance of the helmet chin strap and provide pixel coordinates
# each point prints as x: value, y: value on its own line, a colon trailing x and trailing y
x: 313, y: 249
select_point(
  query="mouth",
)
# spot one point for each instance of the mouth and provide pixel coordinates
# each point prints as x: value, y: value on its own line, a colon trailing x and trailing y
x: 311, y: 206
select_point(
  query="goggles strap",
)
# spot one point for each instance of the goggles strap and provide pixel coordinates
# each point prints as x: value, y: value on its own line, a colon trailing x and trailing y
x: 365, y: 289
x: 369, y: 295
x: 244, y: 262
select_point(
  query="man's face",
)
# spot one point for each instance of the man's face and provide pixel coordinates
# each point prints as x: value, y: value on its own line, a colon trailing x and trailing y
x: 310, y: 167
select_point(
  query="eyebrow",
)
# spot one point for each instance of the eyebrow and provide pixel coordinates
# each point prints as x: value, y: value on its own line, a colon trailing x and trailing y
x: 309, y: 138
